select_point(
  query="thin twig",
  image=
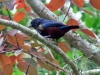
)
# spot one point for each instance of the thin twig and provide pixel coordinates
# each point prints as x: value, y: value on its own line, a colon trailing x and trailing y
x: 17, y: 41
x: 73, y: 61
x: 27, y: 12
x: 93, y: 71
x: 15, y: 34
x: 26, y: 73
x: 47, y: 61
x: 67, y: 11
x: 8, y: 52
x: 27, y: 70
x: 9, y: 14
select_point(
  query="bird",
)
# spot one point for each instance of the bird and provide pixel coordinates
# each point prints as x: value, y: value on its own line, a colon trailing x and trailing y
x: 50, y: 29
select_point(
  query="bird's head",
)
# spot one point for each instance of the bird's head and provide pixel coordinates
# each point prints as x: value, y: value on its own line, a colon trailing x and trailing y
x: 35, y: 23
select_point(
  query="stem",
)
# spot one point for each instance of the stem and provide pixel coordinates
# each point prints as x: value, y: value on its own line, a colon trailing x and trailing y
x: 67, y: 11
x: 9, y: 14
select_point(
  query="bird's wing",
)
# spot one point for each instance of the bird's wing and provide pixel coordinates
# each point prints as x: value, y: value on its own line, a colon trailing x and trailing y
x: 52, y: 24
x: 45, y: 21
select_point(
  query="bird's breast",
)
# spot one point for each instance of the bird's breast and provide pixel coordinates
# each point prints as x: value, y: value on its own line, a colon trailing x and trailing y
x: 53, y: 31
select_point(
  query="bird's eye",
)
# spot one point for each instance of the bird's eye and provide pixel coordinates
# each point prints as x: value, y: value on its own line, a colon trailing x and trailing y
x: 32, y: 22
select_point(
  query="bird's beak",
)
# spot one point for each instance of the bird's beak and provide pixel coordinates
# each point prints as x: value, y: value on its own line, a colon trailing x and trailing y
x: 30, y: 26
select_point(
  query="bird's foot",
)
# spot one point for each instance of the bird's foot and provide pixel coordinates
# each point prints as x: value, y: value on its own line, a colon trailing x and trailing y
x: 52, y: 41
x: 47, y: 36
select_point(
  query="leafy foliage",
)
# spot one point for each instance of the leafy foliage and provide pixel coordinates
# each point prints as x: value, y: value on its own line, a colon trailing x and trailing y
x: 15, y: 45
x: 79, y: 3
x: 95, y: 4
x: 18, y: 16
x: 55, y: 4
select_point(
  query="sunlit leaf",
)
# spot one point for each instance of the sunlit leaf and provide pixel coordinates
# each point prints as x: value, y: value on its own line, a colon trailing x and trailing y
x: 18, y: 16
x: 8, y: 69
x: 33, y: 51
x: 0, y: 0
x: 20, y: 5
x: 65, y: 47
x: 70, y: 55
x: 55, y: 4
x: 72, y: 22
x: 79, y: 3
x: 23, y: 36
x: 14, y: 40
x: 4, y: 60
x: 2, y: 27
x: 49, y: 57
x: 25, y: 47
x: 19, y: 58
x: 19, y: 1
x: 27, y: 8
x: 32, y: 71
x: 57, y: 63
x: 13, y: 58
x: 23, y: 5
x: 88, y: 32
x: 4, y: 8
x: 45, y: 65
x: 35, y: 45
x: 30, y: 61
x: 40, y: 55
x: 22, y: 66
x: 95, y: 4
x: 42, y: 49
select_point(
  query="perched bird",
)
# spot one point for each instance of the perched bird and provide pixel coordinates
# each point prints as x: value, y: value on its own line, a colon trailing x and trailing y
x: 50, y: 29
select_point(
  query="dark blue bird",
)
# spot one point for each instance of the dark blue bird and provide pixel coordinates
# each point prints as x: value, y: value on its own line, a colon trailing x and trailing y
x: 51, y: 29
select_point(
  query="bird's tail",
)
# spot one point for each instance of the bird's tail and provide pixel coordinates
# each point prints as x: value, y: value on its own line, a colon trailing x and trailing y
x: 70, y: 27
x: 73, y: 27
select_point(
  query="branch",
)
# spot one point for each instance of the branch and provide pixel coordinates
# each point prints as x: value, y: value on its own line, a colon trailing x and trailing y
x: 71, y: 14
x: 58, y: 73
x: 73, y: 39
x: 95, y: 71
x: 37, y: 36
x: 47, y: 61
x: 74, y: 61
x: 87, y: 47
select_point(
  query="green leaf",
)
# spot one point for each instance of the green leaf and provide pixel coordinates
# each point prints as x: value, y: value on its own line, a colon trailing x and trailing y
x: 56, y: 12
x: 30, y: 61
x: 79, y: 53
x: 17, y: 71
x: 70, y: 55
